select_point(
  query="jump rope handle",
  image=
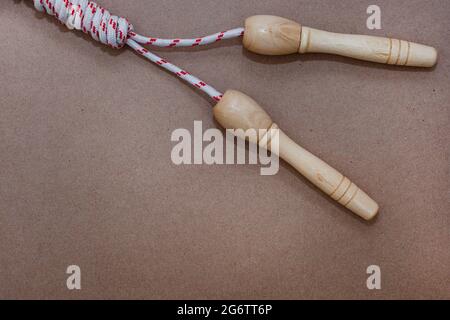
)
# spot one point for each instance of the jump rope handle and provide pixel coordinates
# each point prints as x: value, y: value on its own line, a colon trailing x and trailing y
x: 238, y: 111
x: 272, y: 35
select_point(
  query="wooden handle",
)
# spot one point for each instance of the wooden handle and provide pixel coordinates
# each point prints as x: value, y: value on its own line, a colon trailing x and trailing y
x: 238, y: 111
x: 368, y: 48
x: 326, y: 178
x: 272, y: 35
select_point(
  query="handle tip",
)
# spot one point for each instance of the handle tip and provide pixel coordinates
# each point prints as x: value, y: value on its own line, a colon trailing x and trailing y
x: 422, y: 56
x: 363, y: 205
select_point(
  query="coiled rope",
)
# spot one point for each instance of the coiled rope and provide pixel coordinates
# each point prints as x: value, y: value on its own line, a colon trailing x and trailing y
x: 117, y: 32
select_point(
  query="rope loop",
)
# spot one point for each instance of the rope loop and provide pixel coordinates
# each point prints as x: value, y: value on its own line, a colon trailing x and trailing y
x: 117, y: 32
x: 90, y: 18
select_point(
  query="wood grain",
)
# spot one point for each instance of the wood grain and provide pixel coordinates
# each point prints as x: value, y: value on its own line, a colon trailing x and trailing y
x: 271, y: 35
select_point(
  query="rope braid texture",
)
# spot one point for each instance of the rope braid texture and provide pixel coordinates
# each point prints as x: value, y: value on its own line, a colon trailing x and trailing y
x: 117, y: 32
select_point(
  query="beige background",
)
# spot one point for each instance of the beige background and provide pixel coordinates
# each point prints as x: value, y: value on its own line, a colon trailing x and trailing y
x: 86, y: 176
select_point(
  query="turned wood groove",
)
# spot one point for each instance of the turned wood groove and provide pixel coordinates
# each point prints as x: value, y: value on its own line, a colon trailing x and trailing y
x: 351, y: 198
x: 308, y: 43
x: 345, y: 192
x: 390, y: 51
x: 401, y: 50
x: 337, y: 188
x: 407, y: 55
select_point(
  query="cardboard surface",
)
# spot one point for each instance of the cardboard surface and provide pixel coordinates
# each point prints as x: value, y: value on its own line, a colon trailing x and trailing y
x: 86, y: 176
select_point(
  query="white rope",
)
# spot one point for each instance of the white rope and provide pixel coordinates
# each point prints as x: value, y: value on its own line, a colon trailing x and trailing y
x: 168, y: 43
x: 115, y: 32
x: 186, y: 76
